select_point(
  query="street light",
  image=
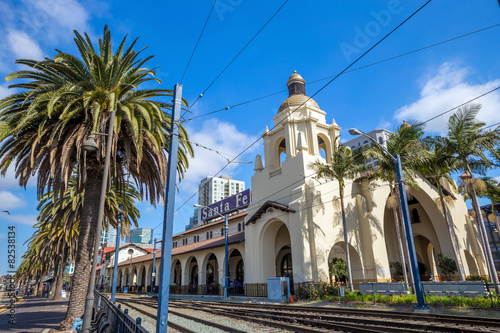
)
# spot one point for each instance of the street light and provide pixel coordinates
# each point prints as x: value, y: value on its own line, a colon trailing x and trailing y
x: 90, y: 145
x: 226, y: 229
x: 117, y: 249
x: 153, y: 273
x: 406, y: 220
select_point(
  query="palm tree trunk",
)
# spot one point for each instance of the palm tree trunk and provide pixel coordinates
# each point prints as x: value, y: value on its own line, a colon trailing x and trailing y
x: 60, y: 277
x: 83, y: 260
x: 401, y: 251
x: 57, y: 274
x: 450, y: 231
x: 486, y: 244
x: 344, y: 225
x: 38, y: 288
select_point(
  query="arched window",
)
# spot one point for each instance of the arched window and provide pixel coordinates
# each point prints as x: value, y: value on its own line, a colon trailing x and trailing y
x: 194, y: 239
x: 198, y: 238
x: 207, y: 234
x: 210, y: 274
x: 286, y: 265
x: 210, y: 234
x: 243, y: 226
x: 240, y: 271
x: 239, y: 226
x: 194, y: 274
x: 415, y: 218
x: 222, y: 231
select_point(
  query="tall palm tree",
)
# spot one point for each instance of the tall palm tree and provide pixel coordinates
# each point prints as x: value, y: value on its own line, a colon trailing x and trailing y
x: 493, y: 193
x: 437, y: 169
x: 61, y: 102
x: 405, y: 142
x: 469, y: 143
x: 59, y: 221
x: 345, y: 165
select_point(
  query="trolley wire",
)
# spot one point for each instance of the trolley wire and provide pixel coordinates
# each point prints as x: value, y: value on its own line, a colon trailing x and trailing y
x: 236, y: 56
x: 318, y: 91
x: 348, y: 71
x: 197, y: 42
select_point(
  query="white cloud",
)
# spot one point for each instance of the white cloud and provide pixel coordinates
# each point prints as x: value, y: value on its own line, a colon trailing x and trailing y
x: 57, y: 18
x: 448, y: 88
x: 23, y: 46
x: 9, y: 200
x: 21, y: 219
x: 226, y: 139
x: 9, y: 181
x: 4, y: 91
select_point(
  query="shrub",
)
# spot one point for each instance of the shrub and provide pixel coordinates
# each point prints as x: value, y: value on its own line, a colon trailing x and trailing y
x: 476, y: 278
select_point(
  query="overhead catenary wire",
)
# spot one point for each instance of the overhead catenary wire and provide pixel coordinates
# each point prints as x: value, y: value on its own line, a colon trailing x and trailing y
x: 236, y: 56
x: 197, y: 42
x: 318, y: 91
x: 348, y: 71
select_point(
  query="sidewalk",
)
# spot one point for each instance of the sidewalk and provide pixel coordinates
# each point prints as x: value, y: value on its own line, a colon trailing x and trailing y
x: 34, y: 315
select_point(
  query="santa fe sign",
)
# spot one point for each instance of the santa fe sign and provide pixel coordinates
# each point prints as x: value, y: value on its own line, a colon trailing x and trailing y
x: 228, y: 205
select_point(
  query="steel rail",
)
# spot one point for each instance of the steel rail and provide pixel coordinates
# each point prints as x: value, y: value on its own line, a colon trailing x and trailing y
x: 177, y: 326
x: 450, y: 319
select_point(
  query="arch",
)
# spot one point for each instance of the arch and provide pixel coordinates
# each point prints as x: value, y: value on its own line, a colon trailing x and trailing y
x: 191, y: 262
x: 176, y: 279
x: 275, y: 244
x: 471, y: 263
x: 210, y: 269
x: 325, y: 145
x: 279, y: 148
x: 142, y: 282
x: 338, y: 251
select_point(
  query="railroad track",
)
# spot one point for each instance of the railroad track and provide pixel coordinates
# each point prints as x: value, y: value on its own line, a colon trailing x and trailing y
x: 180, y: 328
x: 314, y: 319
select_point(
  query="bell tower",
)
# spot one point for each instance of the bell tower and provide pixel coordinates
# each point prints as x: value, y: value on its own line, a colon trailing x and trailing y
x: 300, y: 128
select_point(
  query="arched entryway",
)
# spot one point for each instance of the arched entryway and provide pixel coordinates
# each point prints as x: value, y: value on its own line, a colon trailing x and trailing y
x: 471, y: 263
x: 236, y: 272
x: 275, y: 239
x: 211, y: 275
x: 338, y: 251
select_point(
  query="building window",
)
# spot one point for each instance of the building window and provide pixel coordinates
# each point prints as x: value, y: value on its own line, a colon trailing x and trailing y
x: 210, y: 234
x: 194, y: 239
x: 415, y: 217
x: 380, y: 140
x: 239, y: 226
x: 207, y: 234
x: 198, y: 238
x: 222, y: 231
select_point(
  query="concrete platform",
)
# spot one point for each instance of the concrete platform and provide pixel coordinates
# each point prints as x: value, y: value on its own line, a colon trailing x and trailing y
x: 34, y: 315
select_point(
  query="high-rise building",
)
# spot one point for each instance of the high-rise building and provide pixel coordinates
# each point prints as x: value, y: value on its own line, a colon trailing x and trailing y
x: 108, y: 237
x: 141, y: 235
x: 379, y: 135
x: 214, y: 189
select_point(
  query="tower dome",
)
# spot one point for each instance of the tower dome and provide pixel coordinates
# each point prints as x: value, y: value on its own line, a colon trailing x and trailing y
x: 297, y: 93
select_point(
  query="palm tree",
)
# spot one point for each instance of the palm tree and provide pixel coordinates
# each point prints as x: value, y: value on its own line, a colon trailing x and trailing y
x: 345, y: 165
x: 437, y: 169
x: 61, y: 102
x: 493, y: 193
x: 59, y: 221
x: 405, y: 142
x: 469, y: 142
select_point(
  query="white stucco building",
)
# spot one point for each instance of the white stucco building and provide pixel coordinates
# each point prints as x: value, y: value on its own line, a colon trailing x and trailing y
x: 293, y: 225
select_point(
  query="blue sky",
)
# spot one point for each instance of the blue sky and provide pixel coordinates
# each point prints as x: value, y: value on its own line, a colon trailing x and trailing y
x: 316, y: 38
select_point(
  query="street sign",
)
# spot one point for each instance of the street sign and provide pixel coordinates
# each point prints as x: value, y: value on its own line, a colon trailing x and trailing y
x: 228, y: 205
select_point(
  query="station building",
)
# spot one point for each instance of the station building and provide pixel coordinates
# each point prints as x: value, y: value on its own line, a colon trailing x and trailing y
x: 293, y: 226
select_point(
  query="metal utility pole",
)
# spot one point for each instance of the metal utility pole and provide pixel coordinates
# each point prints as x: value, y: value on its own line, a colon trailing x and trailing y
x: 417, y: 284
x: 117, y: 249
x: 89, y: 302
x: 154, y: 268
x: 168, y: 216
